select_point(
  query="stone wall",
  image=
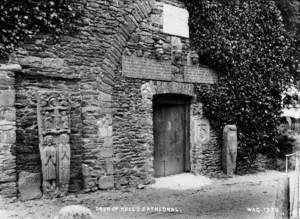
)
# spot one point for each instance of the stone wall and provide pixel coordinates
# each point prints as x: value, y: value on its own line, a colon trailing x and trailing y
x: 206, y: 147
x: 8, y: 176
x: 111, y: 131
x: 133, y: 131
x: 27, y: 145
x: 83, y: 64
x: 135, y: 85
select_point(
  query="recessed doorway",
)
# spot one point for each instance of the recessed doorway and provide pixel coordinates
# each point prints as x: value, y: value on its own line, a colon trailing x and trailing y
x: 171, y: 134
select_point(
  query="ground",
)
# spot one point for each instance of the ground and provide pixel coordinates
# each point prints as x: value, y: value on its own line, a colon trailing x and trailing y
x: 250, y: 196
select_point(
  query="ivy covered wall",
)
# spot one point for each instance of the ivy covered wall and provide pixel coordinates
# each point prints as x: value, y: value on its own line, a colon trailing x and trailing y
x: 290, y: 10
x: 247, y: 43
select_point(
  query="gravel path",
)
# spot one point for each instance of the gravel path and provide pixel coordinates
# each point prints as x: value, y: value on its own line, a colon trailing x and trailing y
x: 250, y: 196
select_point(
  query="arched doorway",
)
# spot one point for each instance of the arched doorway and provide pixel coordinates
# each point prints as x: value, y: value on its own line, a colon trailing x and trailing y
x: 171, y: 128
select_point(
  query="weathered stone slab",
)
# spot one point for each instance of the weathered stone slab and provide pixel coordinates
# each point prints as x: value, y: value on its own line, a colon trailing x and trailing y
x: 137, y: 67
x: 145, y: 68
x: 229, y: 150
x: 29, y: 185
x: 175, y: 21
x: 106, y: 182
x: 53, y: 111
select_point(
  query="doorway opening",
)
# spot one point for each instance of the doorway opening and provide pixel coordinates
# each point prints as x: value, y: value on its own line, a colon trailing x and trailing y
x: 171, y: 129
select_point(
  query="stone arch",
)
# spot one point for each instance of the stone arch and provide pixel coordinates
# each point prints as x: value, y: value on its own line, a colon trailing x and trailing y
x: 137, y: 12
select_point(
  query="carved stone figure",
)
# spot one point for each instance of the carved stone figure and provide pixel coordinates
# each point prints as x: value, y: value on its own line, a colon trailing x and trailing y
x: 49, y: 163
x: 53, y: 102
x: 57, y: 119
x: 48, y: 125
x: 194, y: 58
x: 229, y: 150
x: 64, y: 120
x: 176, y: 50
x: 49, y: 159
x: 64, y: 156
x: 53, y: 122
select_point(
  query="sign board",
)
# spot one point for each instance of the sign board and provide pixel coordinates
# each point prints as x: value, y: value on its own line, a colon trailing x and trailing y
x: 175, y: 21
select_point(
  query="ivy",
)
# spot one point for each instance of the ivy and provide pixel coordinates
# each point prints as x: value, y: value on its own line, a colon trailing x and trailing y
x: 20, y: 19
x: 245, y: 41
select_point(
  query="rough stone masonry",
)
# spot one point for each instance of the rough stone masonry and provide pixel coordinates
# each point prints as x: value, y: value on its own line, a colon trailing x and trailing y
x: 121, y: 58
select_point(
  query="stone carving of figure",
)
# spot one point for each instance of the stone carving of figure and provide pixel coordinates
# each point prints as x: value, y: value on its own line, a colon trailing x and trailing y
x: 64, y: 120
x: 47, y: 121
x: 57, y: 118
x: 50, y: 159
x: 194, y: 58
x: 203, y: 132
x: 64, y: 155
x: 53, y: 102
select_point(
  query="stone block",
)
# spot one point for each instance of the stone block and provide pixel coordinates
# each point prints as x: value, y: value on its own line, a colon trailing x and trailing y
x: 31, y: 61
x: 10, y: 67
x: 7, y: 136
x: 229, y: 150
x: 29, y: 185
x: 108, y: 142
x: 8, y: 113
x: 109, y: 165
x: 8, y: 190
x: 6, y: 177
x: 55, y: 63
x: 106, y: 182
x: 74, y: 212
x: 7, y: 98
x: 107, y: 152
x: 105, y: 126
x: 6, y: 79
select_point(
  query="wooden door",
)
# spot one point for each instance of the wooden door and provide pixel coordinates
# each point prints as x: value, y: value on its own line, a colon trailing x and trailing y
x: 170, y: 138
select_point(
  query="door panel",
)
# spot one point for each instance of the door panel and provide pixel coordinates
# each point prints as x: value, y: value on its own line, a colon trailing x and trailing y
x: 169, y: 139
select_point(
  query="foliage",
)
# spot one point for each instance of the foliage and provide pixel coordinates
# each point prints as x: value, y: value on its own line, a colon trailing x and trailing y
x: 286, y: 141
x: 290, y: 97
x: 245, y: 41
x: 19, y: 19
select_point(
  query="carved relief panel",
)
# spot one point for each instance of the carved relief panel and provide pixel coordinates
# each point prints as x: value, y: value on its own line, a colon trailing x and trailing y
x: 202, y: 131
x: 53, y: 112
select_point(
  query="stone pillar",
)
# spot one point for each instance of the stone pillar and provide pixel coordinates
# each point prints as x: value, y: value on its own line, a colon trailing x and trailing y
x: 229, y: 150
x: 8, y: 181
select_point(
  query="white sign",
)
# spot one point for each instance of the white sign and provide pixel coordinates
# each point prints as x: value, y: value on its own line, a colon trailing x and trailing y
x: 175, y: 21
